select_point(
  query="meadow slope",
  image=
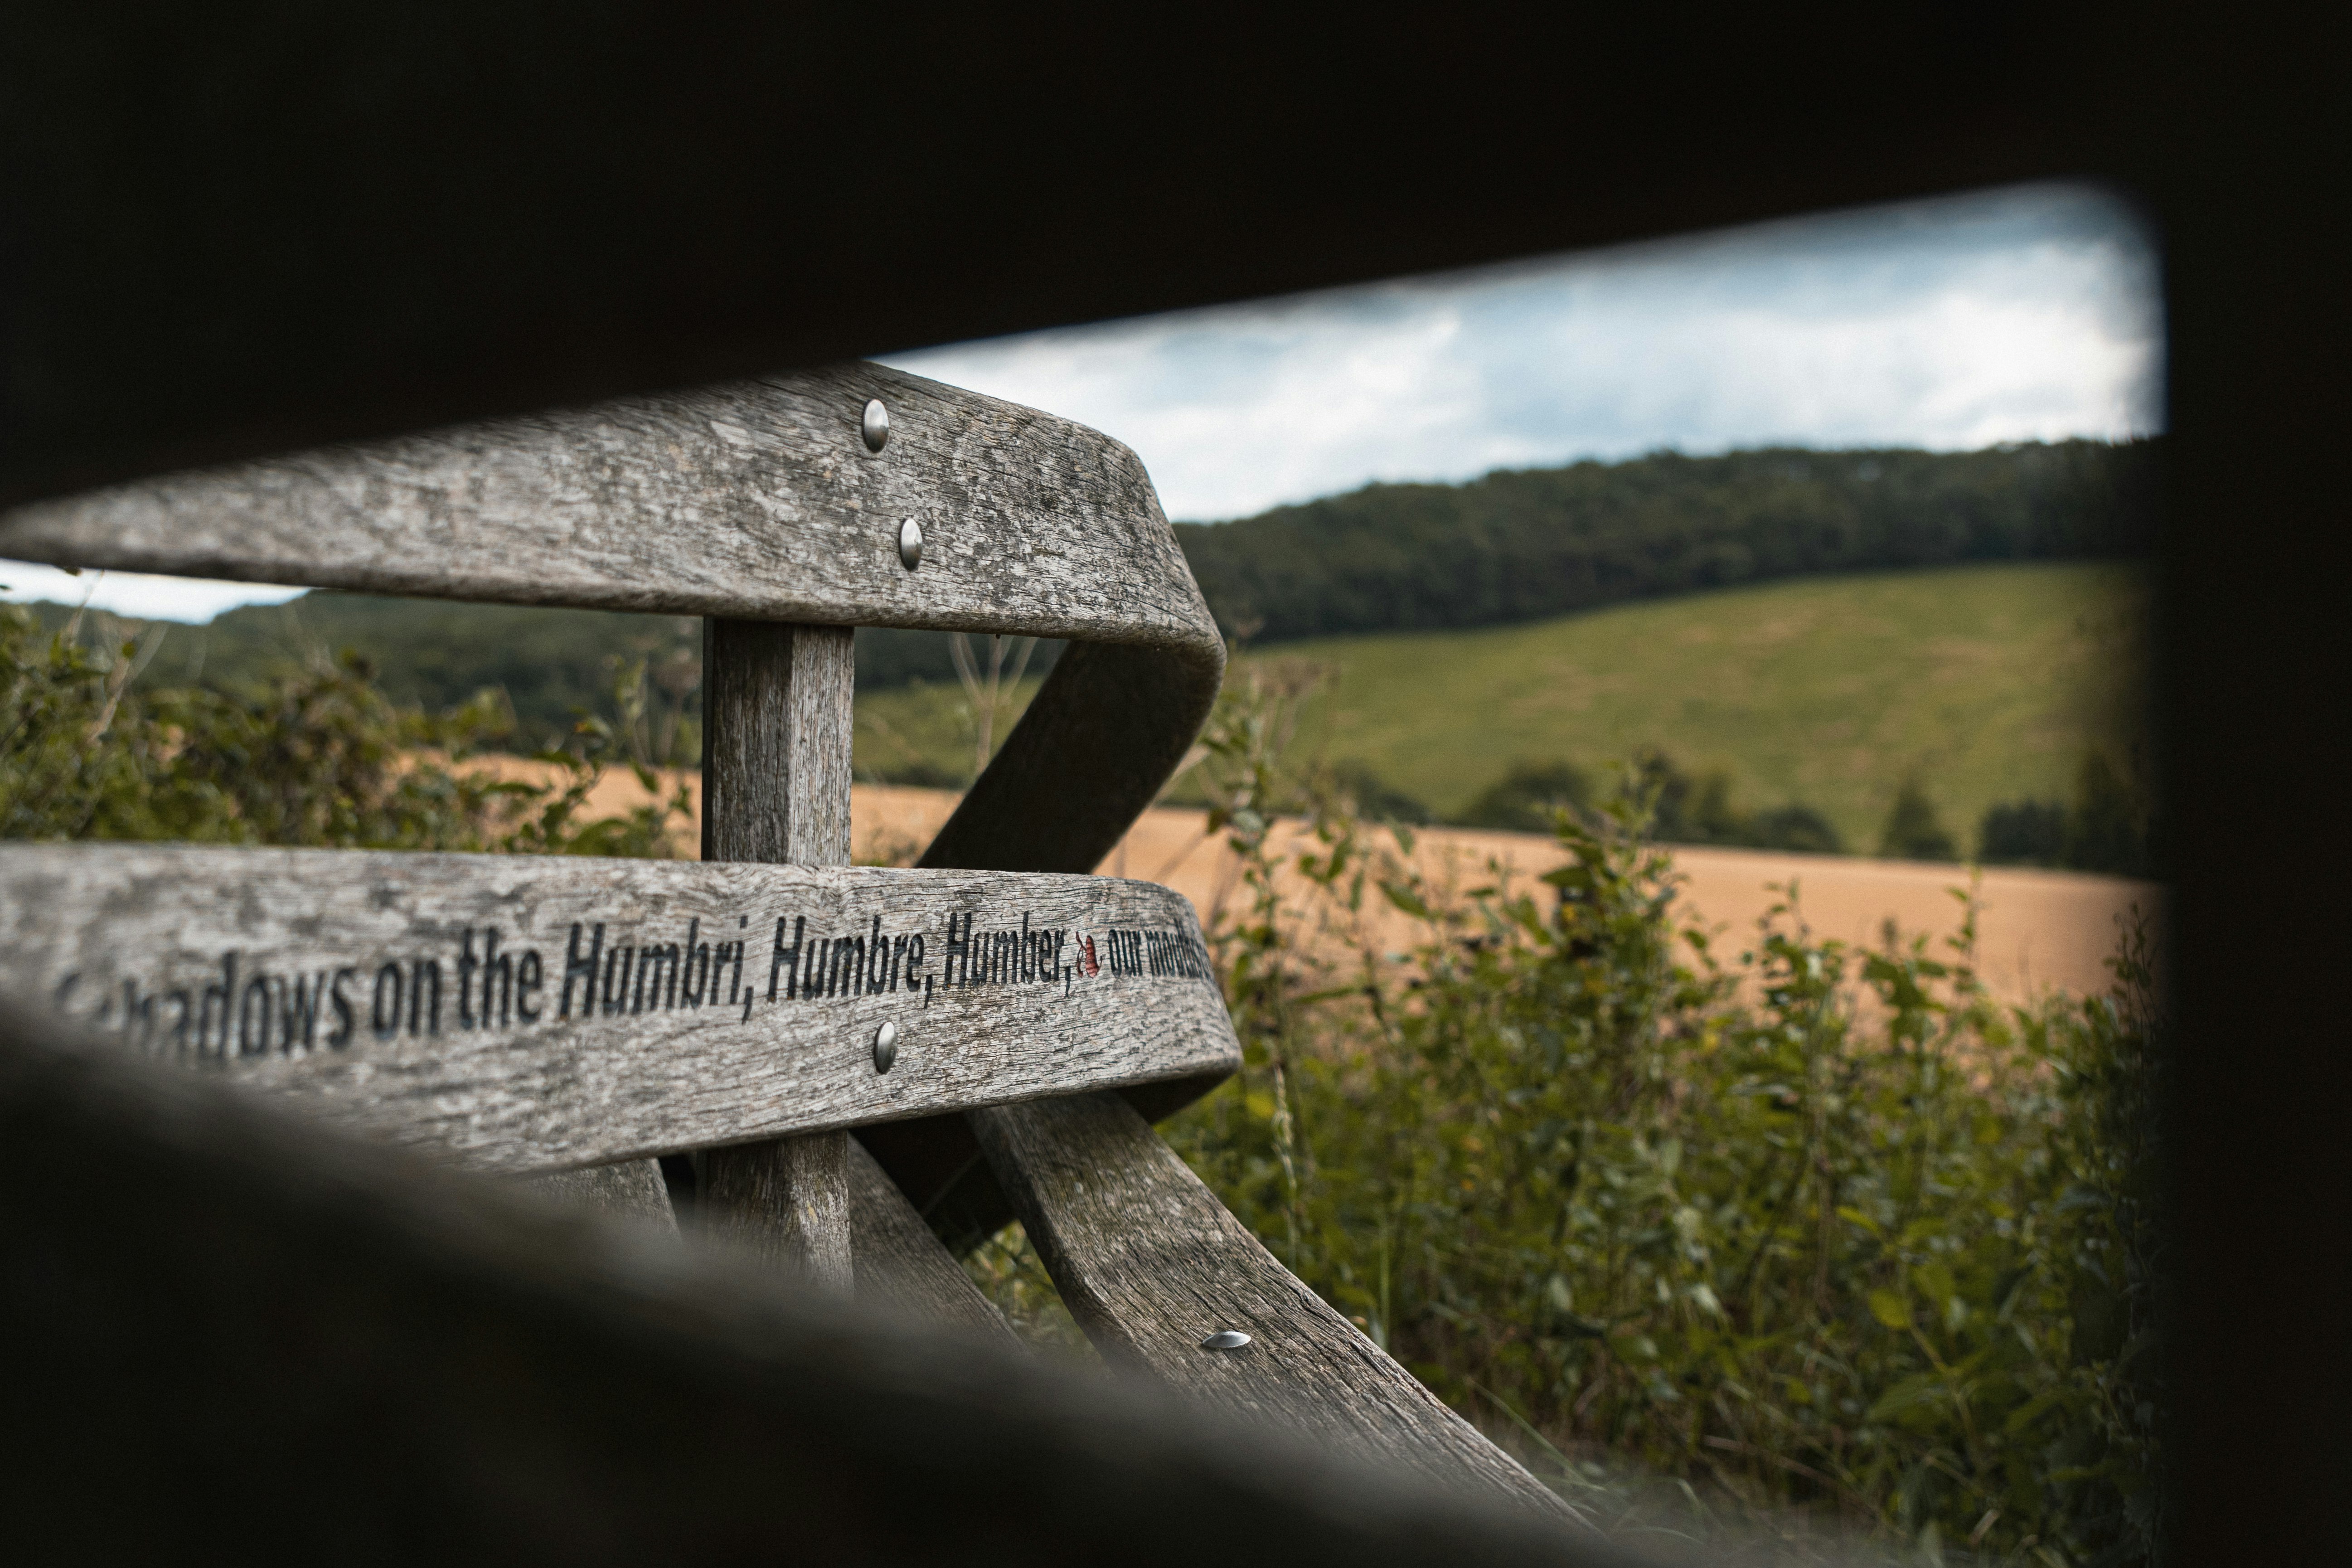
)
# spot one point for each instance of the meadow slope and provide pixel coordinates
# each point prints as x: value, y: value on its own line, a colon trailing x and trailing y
x: 1989, y: 682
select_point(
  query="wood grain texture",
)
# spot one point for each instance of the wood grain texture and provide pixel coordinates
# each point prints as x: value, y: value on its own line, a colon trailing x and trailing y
x: 776, y: 703
x: 902, y: 1267
x: 632, y: 1189
x: 786, y: 1201
x: 777, y: 726
x: 1150, y: 1264
x: 756, y: 500
x: 280, y: 967
x: 1097, y: 743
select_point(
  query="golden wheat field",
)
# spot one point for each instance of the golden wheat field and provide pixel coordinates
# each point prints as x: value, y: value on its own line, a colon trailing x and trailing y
x: 2037, y: 930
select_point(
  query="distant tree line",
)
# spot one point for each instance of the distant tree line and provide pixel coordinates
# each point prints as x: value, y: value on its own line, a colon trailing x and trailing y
x: 1684, y: 807
x: 1526, y: 544
x: 547, y: 667
x: 2107, y: 827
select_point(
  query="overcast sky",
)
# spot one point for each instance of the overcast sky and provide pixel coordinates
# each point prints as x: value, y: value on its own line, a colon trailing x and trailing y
x: 2029, y: 313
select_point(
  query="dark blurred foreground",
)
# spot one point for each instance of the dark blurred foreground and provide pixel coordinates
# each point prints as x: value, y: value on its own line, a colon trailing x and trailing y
x: 239, y: 1333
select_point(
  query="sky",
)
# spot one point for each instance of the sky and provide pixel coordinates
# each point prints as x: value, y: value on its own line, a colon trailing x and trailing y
x: 2029, y: 313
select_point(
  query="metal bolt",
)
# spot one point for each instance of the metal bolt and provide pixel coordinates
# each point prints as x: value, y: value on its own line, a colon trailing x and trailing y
x: 885, y: 1046
x: 911, y: 544
x: 876, y: 426
x: 1225, y: 1340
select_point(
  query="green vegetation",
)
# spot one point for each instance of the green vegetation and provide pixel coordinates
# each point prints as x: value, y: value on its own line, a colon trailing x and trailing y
x: 2107, y: 827
x: 1986, y: 683
x: 1914, y: 830
x: 1866, y: 712
x: 1799, y: 709
x: 547, y: 666
x: 1664, y: 1216
x: 1787, y: 716
x: 314, y: 756
x: 1682, y: 809
x: 1535, y: 543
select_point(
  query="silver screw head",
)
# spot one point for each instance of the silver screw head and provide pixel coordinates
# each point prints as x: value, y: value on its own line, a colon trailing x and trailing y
x: 885, y: 1046
x: 1225, y: 1340
x: 911, y: 544
x: 876, y: 426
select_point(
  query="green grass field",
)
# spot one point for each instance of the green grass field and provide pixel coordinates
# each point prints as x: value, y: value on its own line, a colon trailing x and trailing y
x: 1989, y: 682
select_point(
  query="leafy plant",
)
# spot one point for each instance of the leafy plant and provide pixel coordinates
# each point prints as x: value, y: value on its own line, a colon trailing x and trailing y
x: 1833, y: 1262
x: 317, y: 755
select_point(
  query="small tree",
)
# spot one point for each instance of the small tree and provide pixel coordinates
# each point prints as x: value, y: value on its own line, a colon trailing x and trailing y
x: 1914, y: 831
x: 2102, y: 828
x: 2022, y: 833
x: 1526, y: 799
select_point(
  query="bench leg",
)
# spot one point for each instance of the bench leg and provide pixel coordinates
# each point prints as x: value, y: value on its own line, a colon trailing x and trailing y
x: 902, y: 1267
x: 787, y: 1200
x: 1154, y: 1268
x: 776, y: 732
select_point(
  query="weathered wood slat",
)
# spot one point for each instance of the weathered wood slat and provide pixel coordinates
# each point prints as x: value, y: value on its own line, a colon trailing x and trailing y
x: 632, y: 1188
x: 445, y: 1000
x: 1152, y: 1264
x: 756, y: 500
x: 759, y: 500
x: 1093, y: 750
x: 777, y: 711
x: 901, y: 1265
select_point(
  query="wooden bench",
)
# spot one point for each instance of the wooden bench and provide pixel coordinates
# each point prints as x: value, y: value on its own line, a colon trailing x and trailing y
x: 870, y: 1066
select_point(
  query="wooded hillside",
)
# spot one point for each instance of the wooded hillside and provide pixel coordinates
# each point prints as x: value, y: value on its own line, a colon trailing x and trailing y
x: 1521, y: 545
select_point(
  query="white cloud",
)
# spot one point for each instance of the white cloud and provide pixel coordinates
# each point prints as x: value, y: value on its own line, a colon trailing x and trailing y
x: 136, y: 593
x: 2007, y: 316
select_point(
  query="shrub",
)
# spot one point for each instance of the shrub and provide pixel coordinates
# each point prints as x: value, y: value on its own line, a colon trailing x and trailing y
x: 1683, y: 808
x: 1662, y: 1210
x: 1526, y: 798
x: 318, y: 756
x: 1914, y: 830
x: 2105, y: 829
x: 1798, y: 827
x: 2022, y: 833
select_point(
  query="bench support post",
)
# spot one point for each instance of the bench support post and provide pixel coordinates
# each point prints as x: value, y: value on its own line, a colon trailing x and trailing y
x: 776, y: 735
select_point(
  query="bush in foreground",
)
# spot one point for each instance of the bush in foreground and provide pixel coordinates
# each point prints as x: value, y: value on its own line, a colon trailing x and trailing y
x: 1669, y: 1211
x: 315, y: 756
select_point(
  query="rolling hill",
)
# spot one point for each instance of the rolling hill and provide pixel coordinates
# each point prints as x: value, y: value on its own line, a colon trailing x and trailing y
x: 1989, y: 683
